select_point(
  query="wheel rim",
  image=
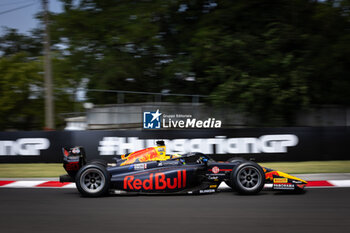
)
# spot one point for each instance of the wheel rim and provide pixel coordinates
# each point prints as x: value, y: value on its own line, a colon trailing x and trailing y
x: 92, y: 180
x: 249, y: 177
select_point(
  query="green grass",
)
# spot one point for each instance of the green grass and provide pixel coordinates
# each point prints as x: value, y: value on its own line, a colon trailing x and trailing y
x: 32, y: 170
x: 310, y: 166
x: 35, y: 170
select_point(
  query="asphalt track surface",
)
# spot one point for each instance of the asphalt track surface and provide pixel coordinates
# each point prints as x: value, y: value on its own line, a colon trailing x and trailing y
x: 64, y: 210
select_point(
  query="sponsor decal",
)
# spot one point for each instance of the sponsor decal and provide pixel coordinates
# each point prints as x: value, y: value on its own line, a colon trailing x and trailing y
x: 119, y: 192
x: 275, y: 143
x: 161, y: 149
x: 213, y: 177
x: 24, y: 146
x: 171, y: 162
x: 140, y: 166
x: 280, y: 180
x: 157, y: 181
x: 207, y: 191
x: 283, y: 186
x: 76, y: 150
x: 215, y: 170
x: 296, y: 182
x: 73, y: 157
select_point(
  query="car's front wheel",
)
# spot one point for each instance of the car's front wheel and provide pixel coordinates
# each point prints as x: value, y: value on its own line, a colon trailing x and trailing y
x: 248, y: 178
x: 93, y: 180
x: 231, y: 160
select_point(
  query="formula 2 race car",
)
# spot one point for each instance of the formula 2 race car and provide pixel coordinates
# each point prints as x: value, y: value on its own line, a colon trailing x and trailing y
x: 151, y: 170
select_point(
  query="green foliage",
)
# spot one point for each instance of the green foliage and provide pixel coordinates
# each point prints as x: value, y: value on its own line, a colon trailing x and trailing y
x: 19, y: 103
x: 21, y: 93
x: 114, y: 45
x: 272, y: 58
x: 266, y: 58
x: 13, y: 42
x: 21, y: 82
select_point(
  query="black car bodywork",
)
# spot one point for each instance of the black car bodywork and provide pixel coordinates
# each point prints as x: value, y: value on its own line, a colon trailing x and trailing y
x: 192, y: 173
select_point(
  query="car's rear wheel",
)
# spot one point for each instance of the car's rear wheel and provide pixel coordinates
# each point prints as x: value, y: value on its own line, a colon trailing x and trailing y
x: 93, y: 180
x: 98, y: 161
x: 248, y: 178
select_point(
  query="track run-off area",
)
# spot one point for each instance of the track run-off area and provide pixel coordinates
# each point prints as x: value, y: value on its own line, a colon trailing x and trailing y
x: 64, y: 210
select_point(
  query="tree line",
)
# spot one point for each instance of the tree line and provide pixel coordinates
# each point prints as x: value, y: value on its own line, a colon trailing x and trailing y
x: 266, y: 58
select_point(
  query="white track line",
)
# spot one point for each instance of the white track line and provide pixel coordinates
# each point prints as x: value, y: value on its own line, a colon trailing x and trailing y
x: 23, y: 184
x: 69, y: 186
x: 340, y: 183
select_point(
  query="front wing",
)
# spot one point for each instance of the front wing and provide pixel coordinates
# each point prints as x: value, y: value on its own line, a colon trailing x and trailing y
x: 283, y: 181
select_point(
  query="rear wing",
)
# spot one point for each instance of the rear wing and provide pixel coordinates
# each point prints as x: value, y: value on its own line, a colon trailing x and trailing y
x: 73, y: 159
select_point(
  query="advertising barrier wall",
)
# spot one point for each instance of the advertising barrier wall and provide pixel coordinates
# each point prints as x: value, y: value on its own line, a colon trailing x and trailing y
x: 260, y: 144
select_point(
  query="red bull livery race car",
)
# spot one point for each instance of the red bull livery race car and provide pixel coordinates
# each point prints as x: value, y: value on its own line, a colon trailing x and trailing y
x: 151, y: 170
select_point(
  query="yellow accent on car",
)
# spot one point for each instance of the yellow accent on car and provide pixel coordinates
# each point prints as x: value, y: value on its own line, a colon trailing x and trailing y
x: 289, y: 176
x: 145, y: 155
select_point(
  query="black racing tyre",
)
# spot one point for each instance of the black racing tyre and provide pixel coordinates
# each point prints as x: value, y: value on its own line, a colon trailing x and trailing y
x: 93, y: 180
x: 233, y: 159
x: 240, y: 159
x: 248, y: 178
x: 98, y: 161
